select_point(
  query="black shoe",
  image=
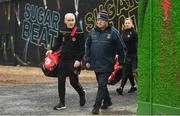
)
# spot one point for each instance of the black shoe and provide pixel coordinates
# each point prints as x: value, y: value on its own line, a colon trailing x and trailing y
x: 119, y: 91
x: 106, y: 105
x: 95, y: 110
x: 83, y: 99
x: 60, y: 106
x: 132, y: 89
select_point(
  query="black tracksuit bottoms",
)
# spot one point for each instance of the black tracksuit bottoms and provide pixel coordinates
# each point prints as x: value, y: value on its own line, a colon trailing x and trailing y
x: 67, y: 69
x: 102, y: 93
x: 128, y: 69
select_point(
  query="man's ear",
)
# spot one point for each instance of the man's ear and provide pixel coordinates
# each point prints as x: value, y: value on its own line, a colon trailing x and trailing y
x: 64, y: 20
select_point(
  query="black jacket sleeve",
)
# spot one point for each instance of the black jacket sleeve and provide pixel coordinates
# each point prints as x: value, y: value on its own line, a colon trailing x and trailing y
x: 136, y: 40
x: 81, y: 46
x: 121, y: 47
x: 87, y: 48
x: 57, y: 42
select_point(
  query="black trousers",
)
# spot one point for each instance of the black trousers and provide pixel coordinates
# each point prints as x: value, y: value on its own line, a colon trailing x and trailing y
x: 128, y: 69
x: 67, y: 69
x: 102, y: 93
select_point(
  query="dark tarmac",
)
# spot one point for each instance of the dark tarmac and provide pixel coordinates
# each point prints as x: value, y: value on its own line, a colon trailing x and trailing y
x: 39, y: 99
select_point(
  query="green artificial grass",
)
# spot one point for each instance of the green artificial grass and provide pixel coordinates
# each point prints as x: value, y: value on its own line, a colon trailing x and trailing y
x: 158, y: 65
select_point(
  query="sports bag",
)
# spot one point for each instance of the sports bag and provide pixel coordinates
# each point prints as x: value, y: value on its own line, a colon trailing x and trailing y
x: 116, y: 74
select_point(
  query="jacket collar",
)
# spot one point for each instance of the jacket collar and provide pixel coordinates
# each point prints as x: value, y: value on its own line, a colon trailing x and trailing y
x: 128, y: 29
x: 98, y: 29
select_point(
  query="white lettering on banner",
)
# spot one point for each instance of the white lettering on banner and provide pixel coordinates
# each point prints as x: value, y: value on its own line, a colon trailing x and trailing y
x: 40, y: 25
x: 118, y: 10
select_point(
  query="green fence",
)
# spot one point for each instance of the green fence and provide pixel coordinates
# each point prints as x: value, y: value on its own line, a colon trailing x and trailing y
x: 159, y: 57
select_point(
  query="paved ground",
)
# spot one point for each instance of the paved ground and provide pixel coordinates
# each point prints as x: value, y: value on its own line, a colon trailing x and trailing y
x: 39, y: 97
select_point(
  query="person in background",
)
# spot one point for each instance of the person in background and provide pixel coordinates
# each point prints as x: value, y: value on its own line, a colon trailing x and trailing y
x: 130, y: 38
x: 101, y: 46
x: 72, y: 47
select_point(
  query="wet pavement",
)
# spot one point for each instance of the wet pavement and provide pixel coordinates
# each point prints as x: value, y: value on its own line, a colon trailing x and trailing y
x: 40, y: 98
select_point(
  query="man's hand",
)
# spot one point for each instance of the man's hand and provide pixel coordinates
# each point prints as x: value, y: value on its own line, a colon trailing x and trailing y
x: 49, y: 52
x: 122, y: 66
x: 88, y: 65
x: 117, y: 56
x: 77, y: 64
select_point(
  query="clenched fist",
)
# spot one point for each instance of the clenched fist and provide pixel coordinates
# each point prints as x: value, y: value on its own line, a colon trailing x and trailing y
x: 88, y: 65
x: 77, y: 64
x: 49, y: 52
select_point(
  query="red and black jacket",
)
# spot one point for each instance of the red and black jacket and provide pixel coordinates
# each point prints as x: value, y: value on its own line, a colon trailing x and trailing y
x: 72, y: 45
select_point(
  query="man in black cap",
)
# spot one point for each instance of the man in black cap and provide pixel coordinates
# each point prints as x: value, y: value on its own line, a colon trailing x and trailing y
x: 102, y: 44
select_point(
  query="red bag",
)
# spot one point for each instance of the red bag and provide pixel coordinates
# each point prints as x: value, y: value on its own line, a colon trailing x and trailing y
x: 52, y: 60
x: 116, y: 69
x: 49, y: 66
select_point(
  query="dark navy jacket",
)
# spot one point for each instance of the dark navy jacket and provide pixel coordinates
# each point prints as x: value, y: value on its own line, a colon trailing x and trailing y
x: 101, y: 47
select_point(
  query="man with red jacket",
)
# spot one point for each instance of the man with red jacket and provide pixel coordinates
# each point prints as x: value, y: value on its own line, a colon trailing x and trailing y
x: 71, y: 42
